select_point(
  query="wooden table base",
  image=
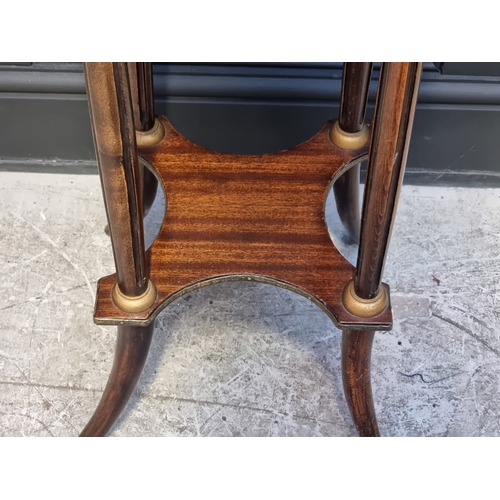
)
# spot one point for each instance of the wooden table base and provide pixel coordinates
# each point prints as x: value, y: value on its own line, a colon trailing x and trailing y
x: 234, y: 217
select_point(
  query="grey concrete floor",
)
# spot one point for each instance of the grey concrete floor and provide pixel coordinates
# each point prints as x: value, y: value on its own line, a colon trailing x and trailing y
x: 247, y: 359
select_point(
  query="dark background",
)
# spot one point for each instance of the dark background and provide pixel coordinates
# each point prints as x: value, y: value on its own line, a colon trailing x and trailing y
x: 255, y: 108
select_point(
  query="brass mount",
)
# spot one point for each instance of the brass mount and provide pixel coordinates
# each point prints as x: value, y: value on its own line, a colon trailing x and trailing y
x: 347, y: 140
x: 134, y: 304
x: 364, y: 308
x: 151, y: 137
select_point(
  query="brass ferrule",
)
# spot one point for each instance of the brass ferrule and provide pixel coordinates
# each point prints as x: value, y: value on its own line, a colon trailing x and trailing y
x: 346, y: 140
x: 364, y: 308
x: 134, y: 304
x: 151, y: 137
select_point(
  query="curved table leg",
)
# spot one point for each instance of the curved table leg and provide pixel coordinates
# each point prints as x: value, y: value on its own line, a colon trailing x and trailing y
x: 346, y: 190
x: 356, y: 355
x: 132, y: 349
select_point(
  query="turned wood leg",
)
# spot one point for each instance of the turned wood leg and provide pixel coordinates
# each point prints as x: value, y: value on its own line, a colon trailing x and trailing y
x: 393, y: 120
x: 149, y: 190
x: 132, y: 349
x: 356, y: 356
x: 142, y: 97
x: 346, y: 190
x: 351, y: 134
x: 394, y: 110
x: 111, y: 113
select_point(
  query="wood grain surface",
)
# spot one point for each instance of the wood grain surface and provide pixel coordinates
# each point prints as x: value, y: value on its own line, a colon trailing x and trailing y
x: 235, y: 217
x: 354, y: 97
x: 142, y: 94
x: 394, y: 112
x: 132, y: 348
x: 356, y: 378
x: 112, y: 119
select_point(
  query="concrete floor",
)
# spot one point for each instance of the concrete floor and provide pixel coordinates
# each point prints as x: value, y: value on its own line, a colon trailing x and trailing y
x: 247, y: 359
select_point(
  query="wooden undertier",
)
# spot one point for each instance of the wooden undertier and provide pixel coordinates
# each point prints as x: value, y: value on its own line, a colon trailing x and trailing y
x: 236, y: 217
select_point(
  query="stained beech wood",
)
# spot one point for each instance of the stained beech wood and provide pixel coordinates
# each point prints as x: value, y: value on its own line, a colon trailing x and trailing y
x: 356, y: 361
x: 146, y: 95
x: 244, y: 217
x: 131, y: 352
x: 394, y: 111
x: 354, y: 97
x: 114, y: 136
x: 141, y: 92
x: 134, y: 93
x: 232, y: 217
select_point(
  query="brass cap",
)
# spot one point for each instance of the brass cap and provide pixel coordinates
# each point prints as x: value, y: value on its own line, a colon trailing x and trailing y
x: 364, y: 308
x: 151, y: 137
x: 134, y: 304
x: 346, y: 140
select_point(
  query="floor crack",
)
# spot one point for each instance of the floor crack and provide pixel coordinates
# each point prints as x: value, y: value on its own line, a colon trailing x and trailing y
x: 468, y: 332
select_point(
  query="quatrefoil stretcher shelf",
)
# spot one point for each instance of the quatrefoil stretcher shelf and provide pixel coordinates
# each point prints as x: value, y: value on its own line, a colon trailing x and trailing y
x: 237, y: 217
